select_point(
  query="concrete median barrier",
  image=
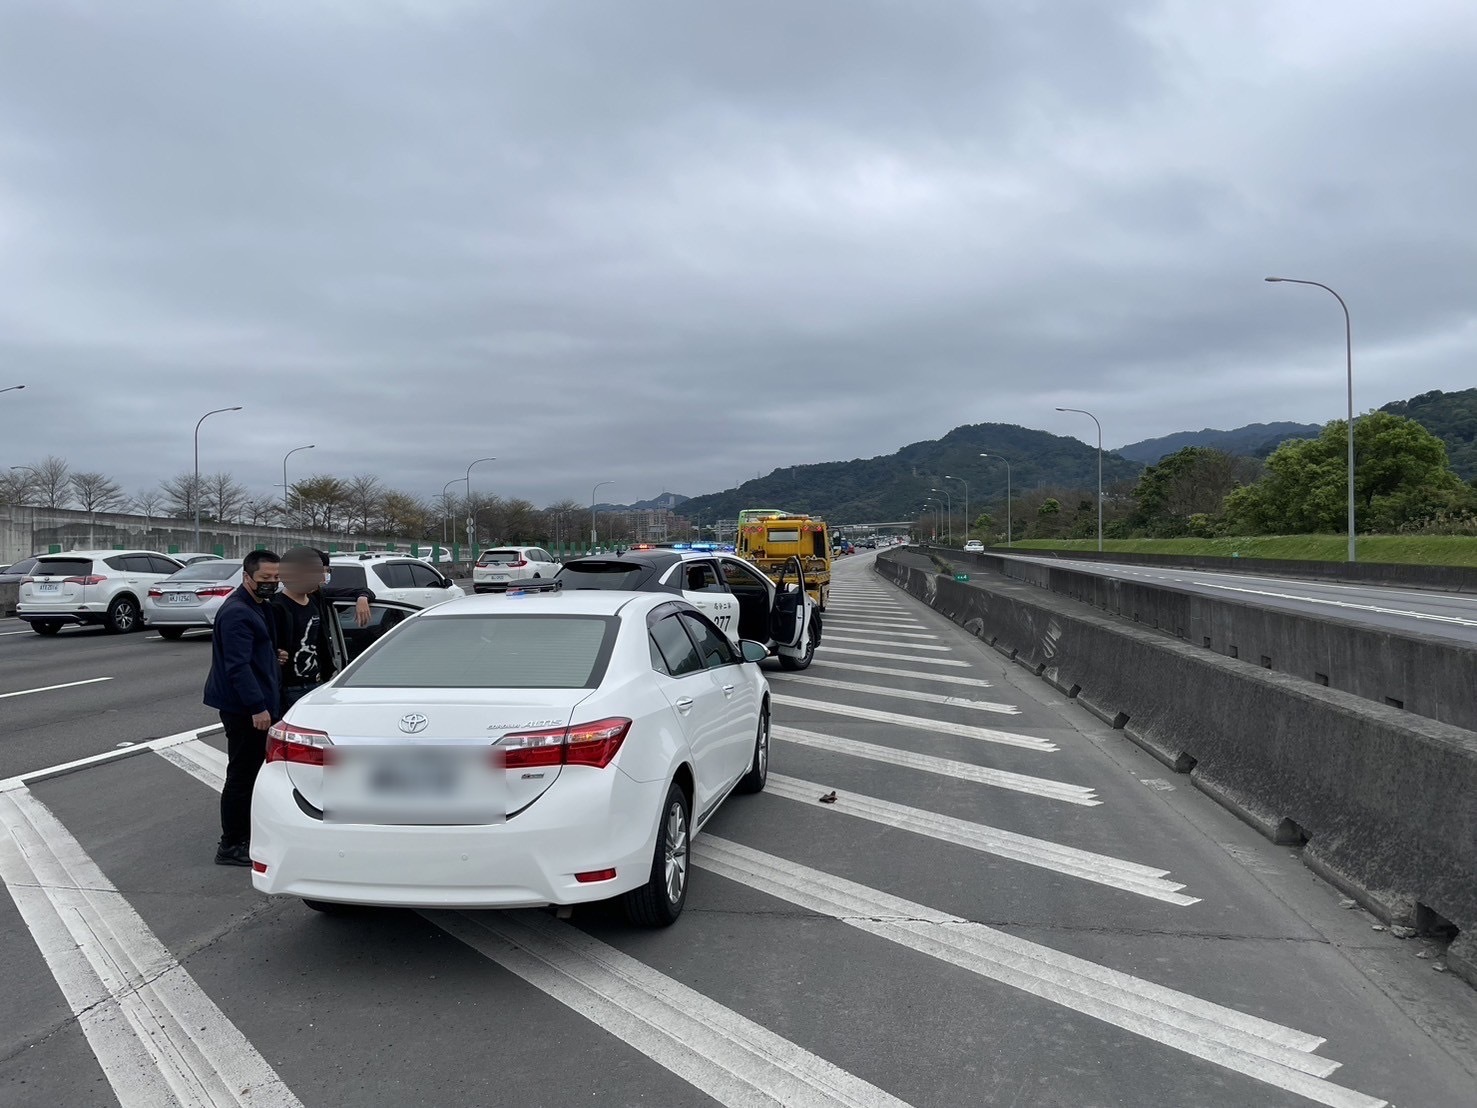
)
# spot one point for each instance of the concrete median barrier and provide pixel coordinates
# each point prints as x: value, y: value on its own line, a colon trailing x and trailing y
x: 8, y: 599
x: 1423, y: 674
x: 1383, y: 803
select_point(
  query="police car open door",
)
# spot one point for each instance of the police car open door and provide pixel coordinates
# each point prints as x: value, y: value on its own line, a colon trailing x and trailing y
x: 787, y: 614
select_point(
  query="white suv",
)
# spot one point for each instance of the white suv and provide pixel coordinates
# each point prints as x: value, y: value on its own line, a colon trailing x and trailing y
x: 501, y: 566
x: 393, y: 577
x: 103, y: 587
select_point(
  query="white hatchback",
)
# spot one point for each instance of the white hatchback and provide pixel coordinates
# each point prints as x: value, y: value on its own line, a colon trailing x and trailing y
x: 560, y: 749
x: 502, y: 566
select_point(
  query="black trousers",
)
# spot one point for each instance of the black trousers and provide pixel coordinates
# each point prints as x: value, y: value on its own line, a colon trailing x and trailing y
x: 246, y: 749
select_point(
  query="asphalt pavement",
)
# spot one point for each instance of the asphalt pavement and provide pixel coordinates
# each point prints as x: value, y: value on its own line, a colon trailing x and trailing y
x: 1402, y: 610
x: 1006, y: 903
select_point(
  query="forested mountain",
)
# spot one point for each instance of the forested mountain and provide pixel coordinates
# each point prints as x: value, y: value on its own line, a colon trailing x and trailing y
x: 1451, y: 417
x: 1255, y: 440
x: 892, y: 487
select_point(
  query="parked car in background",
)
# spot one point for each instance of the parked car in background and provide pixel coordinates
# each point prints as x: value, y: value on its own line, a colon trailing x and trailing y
x: 974, y: 546
x: 98, y: 587
x: 501, y: 566
x: 189, y: 599
x: 14, y: 574
x: 190, y: 559
x: 393, y: 577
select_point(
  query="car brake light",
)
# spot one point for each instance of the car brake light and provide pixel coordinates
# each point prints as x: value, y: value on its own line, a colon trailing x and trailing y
x: 518, y: 563
x: 583, y: 744
x: 595, y: 875
x: 90, y: 579
x: 286, y: 743
x: 155, y: 591
x: 261, y: 867
x: 216, y: 590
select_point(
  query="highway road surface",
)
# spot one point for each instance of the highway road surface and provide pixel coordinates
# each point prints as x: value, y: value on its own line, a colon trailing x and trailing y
x: 1400, y: 610
x: 1006, y: 904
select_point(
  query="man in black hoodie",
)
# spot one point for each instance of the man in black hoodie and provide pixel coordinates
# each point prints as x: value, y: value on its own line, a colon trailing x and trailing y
x: 301, y: 614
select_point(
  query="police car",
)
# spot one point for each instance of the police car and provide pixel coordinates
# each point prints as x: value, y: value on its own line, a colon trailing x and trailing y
x: 744, y: 603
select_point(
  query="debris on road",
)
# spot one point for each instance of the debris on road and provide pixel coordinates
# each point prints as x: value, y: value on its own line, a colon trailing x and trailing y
x: 829, y: 798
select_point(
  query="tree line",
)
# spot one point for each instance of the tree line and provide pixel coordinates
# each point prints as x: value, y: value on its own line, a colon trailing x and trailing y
x: 359, y: 505
x: 1403, y: 483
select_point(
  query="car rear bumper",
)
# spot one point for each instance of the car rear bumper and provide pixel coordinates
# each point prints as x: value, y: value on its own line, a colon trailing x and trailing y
x: 587, y: 821
x: 35, y: 614
x: 178, y: 617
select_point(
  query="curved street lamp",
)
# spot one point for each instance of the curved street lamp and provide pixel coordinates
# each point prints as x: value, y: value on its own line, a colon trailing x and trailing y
x: 593, y: 491
x: 965, y: 483
x: 1089, y: 415
x: 286, y: 502
x: 1349, y: 372
x: 999, y: 458
x: 195, y: 488
x: 950, y: 495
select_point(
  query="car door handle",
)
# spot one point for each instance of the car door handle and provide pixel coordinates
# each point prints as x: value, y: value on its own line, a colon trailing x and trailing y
x: 684, y: 704
x: 728, y: 690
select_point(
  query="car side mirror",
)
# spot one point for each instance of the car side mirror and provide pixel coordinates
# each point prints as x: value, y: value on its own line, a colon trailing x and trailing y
x: 753, y: 651
x: 447, y: 583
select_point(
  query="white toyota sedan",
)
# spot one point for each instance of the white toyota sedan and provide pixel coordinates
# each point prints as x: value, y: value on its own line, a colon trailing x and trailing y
x: 512, y: 752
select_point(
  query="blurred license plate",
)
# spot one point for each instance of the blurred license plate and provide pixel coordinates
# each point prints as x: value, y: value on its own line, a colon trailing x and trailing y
x: 422, y: 784
x: 48, y: 587
x: 498, y: 576
x: 179, y: 597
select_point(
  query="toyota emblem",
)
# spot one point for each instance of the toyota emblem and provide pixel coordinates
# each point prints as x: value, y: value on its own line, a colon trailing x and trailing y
x: 413, y: 724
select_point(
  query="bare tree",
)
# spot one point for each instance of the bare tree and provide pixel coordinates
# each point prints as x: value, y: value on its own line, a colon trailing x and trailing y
x: 223, y: 497
x: 17, y: 487
x: 148, y: 503
x: 364, y: 496
x: 52, y: 481
x: 260, y: 510
x: 96, y: 492
x: 180, y: 494
x: 318, y: 501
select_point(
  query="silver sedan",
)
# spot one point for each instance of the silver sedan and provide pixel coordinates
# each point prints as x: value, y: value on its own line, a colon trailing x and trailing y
x: 190, y: 598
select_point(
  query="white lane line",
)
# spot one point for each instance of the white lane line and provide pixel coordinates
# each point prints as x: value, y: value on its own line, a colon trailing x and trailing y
x: 831, y: 648
x: 812, y: 681
x: 878, y: 625
x: 1268, y: 1052
x: 845, y: 636
x: 910, y: 674
x: 921, y: 723
x: 53, y: 688
x: 21, y: 780
x: 1102, y: 869
x: 943, y: 767
x: 720, y: 1053
x: 7, y: 634
x: 158, y: 1038
x: 200, y: 760
x: 1376, y: 608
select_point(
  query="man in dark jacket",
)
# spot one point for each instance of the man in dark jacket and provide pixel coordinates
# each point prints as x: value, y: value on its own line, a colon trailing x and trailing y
x: 244, y: 686
x: 301, y: 615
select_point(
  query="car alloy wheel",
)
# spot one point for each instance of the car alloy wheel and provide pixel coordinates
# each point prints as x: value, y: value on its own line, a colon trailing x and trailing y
x: 677, y: 859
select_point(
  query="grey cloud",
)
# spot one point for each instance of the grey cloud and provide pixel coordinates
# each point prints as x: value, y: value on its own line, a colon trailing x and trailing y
x: 674, y: 244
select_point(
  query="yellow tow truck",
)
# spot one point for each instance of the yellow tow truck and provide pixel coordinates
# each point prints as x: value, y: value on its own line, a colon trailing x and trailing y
x: 770, y: 537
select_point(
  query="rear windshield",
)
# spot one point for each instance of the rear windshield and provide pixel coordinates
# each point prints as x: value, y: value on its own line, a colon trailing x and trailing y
x: 346, y: 577
x: 499, y: 557
x: 601, y: 575
x: 489, y: 652
x: 63, y: 567
x: 208, y: 571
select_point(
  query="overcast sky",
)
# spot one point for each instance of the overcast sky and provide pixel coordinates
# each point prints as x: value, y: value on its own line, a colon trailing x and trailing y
x: 675, y: 243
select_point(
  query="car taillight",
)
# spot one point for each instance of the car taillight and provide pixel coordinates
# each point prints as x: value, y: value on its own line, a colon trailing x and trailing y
x: 286, y: 743
x: 583, y: 744
x: 90, y: 579
x: 155, y: 592
x: 28, y: 580
x: 518, y: 563
x: 215, y: 590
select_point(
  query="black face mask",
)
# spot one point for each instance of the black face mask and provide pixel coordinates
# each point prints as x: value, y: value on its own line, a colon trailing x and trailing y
x: 264, y: 590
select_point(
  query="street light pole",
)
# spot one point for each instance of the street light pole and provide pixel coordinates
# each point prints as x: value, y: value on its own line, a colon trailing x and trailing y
x: 965, y: 483
x: 479, y: 461
x: 445, y: 509
x: 593, y: 491
x: 1094, y: 418
x: 937, y: 506
x: 997, y: 457
x: 286, y: 502
x: 1349, y: 373
x: 195, y: 488
x: 950, y: 495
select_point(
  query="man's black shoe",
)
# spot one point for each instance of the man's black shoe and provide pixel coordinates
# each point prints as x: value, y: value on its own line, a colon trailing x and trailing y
x: 234, y: 855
